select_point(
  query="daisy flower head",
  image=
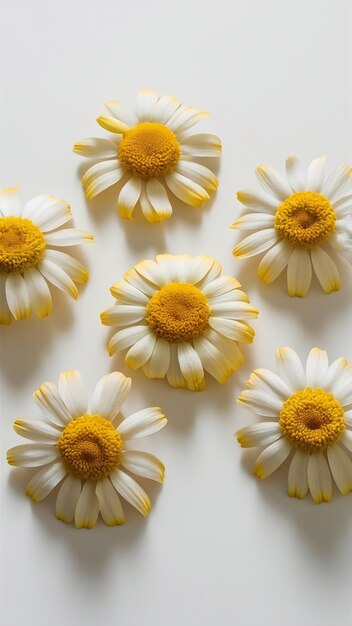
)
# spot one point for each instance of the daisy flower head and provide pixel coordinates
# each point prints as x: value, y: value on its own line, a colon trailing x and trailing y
x: 178, y: 316
x: 29, y: 259
x: 308, y: 417
x: 301, y: 221
x: 85, y: 451
x: 155, y: 152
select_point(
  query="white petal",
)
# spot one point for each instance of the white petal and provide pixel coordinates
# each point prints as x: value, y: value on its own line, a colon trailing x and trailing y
x: 158, y: 198
x: 142, y: 423
x: 315, y: 174
x: 186, y: 189
x: 272, y: 182
x: 127, y: 294
x: 143, y: 464
x: 32, y: 454
x: 152, y: 272
x: 200, y: 174
x: 44, y: 481
x: 297, y: 475
x: 274, y: 261
x: 174, y: 375
x: 234, y: 310
x: 67, y: 498
x: 295, y: 174
x: 131, y: 491
x: 299, y: 273
x: 165, y: 108
x: 222, y: 285
x: 198, y: 268
x: 191, y: 366
x: 254, y: 221
x: 36, y: 430
x: 325, y: 269
x: 339, y: 183
x: 147, y: 105
x: 261, y: 434
x: 122, y: 315
x: 10, y: 202
x: 101, y: 176
x: 147, y: 209
x: 265, y: 380
x: 126, y: 337
x: 112, y: 124
x: 339, y: 381
x: 137, y: 280
x: 109, y: 503
x: 261, y: 402
x: 319, y: 478
x: 256, y: 243
x: 140, y: 352
x: 73, y: 392
x: 212, y: 359
x: 38, y: 292
x: 343, y: 206
x: 231, y: 353
x: 49, y: 212
x: 233, y: 329
x: 341, y: 468
x: 55, y: 275
x: 201, y: 145
x: 68, y: 237
x: 73, y: 268
x: 272, y: 457
x: 184, y: 118
x: 96, y: 147
x: 258, y: 200
x: 51, y: 404
x: 213, y: 273
x: 17, y: 296
x: 87, y: 509
x: 346, y: 439
x: 120, y: 112
x: 109, y: 395
x: 158, y: 364
x: 291, y: 368
x: 5, y: 313
x: 129, y: 196
x: 316, y: 368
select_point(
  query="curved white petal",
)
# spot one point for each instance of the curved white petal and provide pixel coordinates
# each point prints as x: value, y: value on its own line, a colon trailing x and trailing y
x: 96, y: 147
x: 10, y: 202
x: 87, y: 509
x: 174, y: 375
x: 38, y: 292
x: 73, y: 268
x: 265, y: 380
x: 36, y: 430
x: 256, y: 243
x: 261, y: 402
x: 231, y: 353
x: 220, y: 286
x: 298, y: 475
x: 128, y: 294
x: 143, y: 464
x: 49, y: 212
x: 122, y: 315
x: 109, y: 395
x: 73, y: 392
x: 254, y: 221
x: 165, y: 108
x: 126, y: 337
x: 131, y: 491
x: 112, y: 124
x: 142, y: 423
x: 120, y: 112
x: 339, y: 183
x: 326, y: 270
x: 56, y: 275
x: 32, y: 454
x: 184, y: 118
x: 272, y: 182
x: 200, y: 174
x: 234, y: 310
x: 158, y: 198
x: 212, y: 359
x: 109, y: 503
x: 159, y: 361
x: 339, y: 381
x: 272, y: 457
x: 140, y: 352
x: 198, y: 268
x: 17, y: 296
x: 274, y: 261
x: 341, y: 468
x: 67, y: 498
x: 147, y: 100
x: 258, y: 200
x: 261, y: 434
x: 201, y: 145
x: 295, y: 174
x: 101, y: 176
x: 68, y: 237
x: 128, y: 197
x: 299, y: 273
x: 186, y: 189
x: 51, y: 404
x: 316, y: 368
x: 147, y: 209
x: 233, y: 329
x: 191, y: 366
x: 319, y: 478
x: 315, y: 174
x: 291, y: 368
x: 44, y: 481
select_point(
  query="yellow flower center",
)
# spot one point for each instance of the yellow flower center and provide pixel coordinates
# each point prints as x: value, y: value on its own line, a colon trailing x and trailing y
x: 91, y: 447
x: 178, y: 312
x: 22, y: 244
x: 305, y: 218
x: 312, y: 419
x: 149, y: 150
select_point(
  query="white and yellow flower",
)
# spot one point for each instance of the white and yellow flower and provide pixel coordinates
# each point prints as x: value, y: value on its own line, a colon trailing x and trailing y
x: 154, y: 152
x: 179, y: 317
x: 308, y: 414
x: 29, y: 236
x: 301, y: 221
x: 85, y: 452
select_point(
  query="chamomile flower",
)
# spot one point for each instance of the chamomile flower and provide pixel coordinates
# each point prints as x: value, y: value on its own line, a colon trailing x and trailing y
x: 302, y: 222
x: 308, y: 414
x: 85, y: 451
x: 155, y: 152
x: 177, y: 316
x: 29, y: 236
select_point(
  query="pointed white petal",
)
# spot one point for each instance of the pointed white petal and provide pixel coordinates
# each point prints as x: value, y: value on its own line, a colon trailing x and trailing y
x: 5, y: 313
x: 122, y: 315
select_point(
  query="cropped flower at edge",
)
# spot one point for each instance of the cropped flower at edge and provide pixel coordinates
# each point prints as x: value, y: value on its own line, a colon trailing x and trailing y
x: 302, y: 221
x: 29, y: 236
x: 84, y: 452
x: 153, y: 151
x: 310, y: 416
x: 177, y: 316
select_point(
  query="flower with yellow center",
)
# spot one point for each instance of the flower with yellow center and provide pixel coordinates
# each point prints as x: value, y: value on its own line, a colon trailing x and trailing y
x: 29, y: 236
x: 310, y: 416
x: 301, y: 222
x: 178, y: 317
x: 88, y: 453
x: 153, y: 153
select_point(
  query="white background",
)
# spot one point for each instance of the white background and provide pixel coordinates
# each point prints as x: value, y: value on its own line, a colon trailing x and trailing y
x: 219, y: 547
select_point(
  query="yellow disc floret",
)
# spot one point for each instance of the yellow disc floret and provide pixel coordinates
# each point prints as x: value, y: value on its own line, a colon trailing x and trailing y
x: 149, y: 150
x: 91, y: 447
x: 312, y: 419
x: 22, y: 244
x: 178, y: 312
x: 305, y: 219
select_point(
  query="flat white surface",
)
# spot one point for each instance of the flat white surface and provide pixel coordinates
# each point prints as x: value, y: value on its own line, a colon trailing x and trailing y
x: 219, y: 548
